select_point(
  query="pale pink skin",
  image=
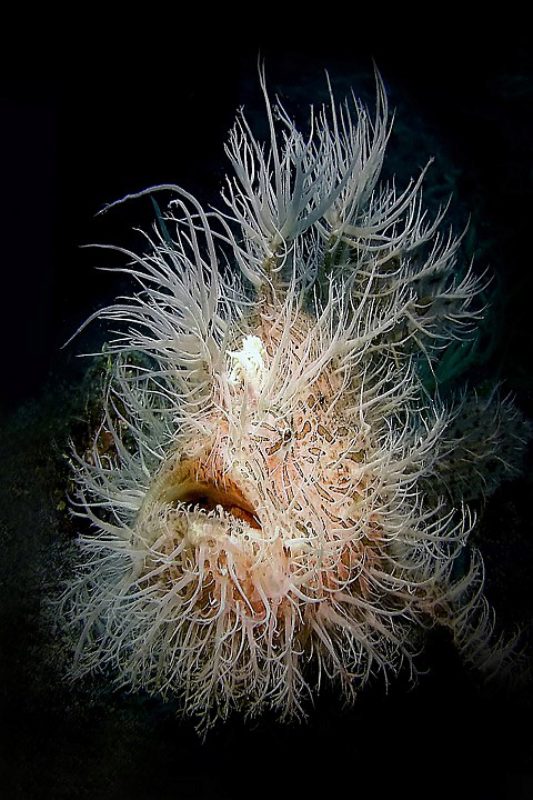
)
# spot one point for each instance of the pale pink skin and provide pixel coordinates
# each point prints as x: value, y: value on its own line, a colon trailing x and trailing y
x: 269, y: 489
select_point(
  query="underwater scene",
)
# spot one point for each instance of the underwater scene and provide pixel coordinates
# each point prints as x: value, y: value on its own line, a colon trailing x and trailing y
x: 267, y: 426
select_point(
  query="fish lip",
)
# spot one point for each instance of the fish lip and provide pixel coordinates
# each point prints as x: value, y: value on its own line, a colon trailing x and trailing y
x: 210, y: 494
x: 199, y: 483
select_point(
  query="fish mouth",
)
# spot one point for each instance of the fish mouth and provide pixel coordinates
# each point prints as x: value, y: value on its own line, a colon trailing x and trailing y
x: 188, y: 485
x: 207, y: 495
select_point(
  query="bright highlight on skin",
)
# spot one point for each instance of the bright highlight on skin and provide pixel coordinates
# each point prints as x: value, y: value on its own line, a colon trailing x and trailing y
x: 281, y: 499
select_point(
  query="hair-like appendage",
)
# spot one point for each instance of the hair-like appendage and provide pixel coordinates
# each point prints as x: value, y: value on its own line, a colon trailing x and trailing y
x: 275, y: 495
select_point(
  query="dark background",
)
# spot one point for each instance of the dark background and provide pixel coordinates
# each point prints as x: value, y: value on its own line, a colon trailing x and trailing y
x: 82, y: 127
x: 85, y: 131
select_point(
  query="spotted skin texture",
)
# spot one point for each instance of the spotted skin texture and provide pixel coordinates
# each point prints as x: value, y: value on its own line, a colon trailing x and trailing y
x: 276, y: 495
